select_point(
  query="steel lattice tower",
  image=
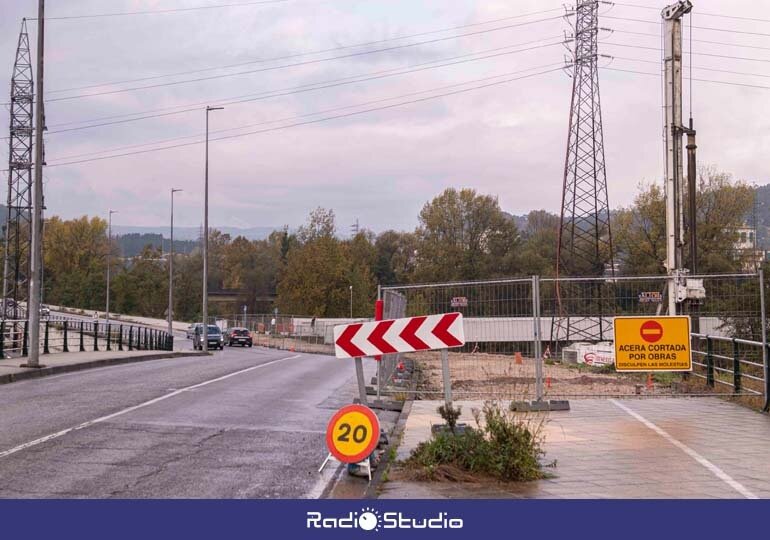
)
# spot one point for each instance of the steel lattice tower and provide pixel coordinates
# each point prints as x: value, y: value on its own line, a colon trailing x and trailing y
x: 584, y: 242
x: 18, y: 226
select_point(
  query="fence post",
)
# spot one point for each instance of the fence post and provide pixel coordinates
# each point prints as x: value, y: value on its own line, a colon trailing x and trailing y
x: 82, y: 344
x: 766, y: 368
x: 120, y: 337
x: 24, y: 344
x: 361, y: 381
x: 709, y: 362
x: 46, y: 350
x: 736, y: 369
x: 109, y: 336
x: 538, y: 343
x: 130, y: 338
x: 447, y: 380
x: 96, y: 335
x: 66, y: 347
x: 2, y: 340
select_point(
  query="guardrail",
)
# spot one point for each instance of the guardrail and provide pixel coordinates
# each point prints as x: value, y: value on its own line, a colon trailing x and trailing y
x: 741, y: 364
x: 62, y: 335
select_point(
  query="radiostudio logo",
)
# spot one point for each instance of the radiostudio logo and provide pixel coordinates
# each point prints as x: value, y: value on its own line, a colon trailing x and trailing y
x: 370, y: 519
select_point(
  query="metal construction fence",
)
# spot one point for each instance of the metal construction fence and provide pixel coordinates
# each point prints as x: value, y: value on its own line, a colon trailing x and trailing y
x: 552, y: 338
x: 60, y: 334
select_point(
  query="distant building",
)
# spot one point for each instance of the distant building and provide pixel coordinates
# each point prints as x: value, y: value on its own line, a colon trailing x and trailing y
x: 745, y: 247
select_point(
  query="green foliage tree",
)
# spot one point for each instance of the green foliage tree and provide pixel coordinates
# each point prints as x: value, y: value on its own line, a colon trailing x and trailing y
x: 722, y: 207
x: 464, y: 235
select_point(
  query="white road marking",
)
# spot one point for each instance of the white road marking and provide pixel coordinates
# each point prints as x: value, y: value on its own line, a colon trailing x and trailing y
x: 164, y: 397
x: 716, y: 471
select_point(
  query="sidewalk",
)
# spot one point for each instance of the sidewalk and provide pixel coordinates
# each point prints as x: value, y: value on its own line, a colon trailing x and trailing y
x: 649, y: 448
x: 10, y: 370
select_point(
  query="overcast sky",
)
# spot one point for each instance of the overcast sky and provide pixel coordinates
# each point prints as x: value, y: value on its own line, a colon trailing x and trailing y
x: 506, y: 140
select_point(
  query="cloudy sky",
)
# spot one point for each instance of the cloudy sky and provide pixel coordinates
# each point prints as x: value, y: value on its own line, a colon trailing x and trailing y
x: 379, y: 166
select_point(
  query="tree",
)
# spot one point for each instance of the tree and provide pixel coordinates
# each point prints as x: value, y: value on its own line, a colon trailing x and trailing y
x: 463, y: 235
x: 75, y: 261
x: 537, y: 255
x: 722, y: 207
x: 395, y: 257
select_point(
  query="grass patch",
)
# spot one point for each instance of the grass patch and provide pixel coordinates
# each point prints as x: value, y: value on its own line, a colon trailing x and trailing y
x: 504, y: 445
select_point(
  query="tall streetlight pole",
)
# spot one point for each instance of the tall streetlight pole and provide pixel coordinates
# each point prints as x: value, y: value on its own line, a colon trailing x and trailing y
x: 351, y: 301
x: 109, y: 253
x: 36, y: 247
x: 205, y: 328
x: 171, y: 268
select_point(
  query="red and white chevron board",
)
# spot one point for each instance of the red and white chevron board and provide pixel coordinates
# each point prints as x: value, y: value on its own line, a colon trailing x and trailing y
x: 399, y: 335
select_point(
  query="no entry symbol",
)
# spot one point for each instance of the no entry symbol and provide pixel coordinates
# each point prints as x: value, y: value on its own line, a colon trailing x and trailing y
x: 651, y: 331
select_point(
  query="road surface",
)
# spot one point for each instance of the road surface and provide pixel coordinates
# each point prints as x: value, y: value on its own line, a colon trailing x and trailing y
x: 240, y: 423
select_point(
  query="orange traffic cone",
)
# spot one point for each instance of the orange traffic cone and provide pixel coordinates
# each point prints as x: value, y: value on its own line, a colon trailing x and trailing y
x: 548, y: 382
x: 649, y: 381
x: 517, y: 358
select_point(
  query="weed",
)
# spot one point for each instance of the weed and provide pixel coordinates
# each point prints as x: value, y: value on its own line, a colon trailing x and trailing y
x: 450, y: 415
x: 505, y: 445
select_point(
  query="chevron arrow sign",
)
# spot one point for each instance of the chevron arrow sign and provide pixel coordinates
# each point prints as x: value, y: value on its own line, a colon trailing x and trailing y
x: 426, y: 333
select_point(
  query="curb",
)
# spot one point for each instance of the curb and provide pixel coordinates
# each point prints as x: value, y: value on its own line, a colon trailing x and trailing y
x: 103, y: 362
x: 393, y: 441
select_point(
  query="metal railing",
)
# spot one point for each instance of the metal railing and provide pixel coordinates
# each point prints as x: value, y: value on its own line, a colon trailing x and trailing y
x: 740, y: 364
x: 62, y: 335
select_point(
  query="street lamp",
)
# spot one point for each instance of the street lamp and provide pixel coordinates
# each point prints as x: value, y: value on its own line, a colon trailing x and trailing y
x: 206, y: 237
x: 171, y: 267
x: 351, y: 301
x: 109, y: 252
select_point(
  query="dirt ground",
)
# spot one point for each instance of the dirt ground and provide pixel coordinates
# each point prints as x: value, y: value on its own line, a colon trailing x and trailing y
x: 482, y: 375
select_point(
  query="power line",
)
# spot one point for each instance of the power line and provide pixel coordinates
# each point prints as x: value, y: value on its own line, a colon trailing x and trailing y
x: 296, y: 64
x: 698, y: 27
x: 695, y: 79
x: 721, y: 15
x: 316, y: 113
x: 657, y: 62
x: 314, y: 121
x: 319, y: 51
x: 323, y: 85
x: 712, y: 55
x: 614, y: 30
x: 160, y: 11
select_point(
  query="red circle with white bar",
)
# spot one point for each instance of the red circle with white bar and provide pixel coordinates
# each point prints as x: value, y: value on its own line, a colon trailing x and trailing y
x: 651, y: 331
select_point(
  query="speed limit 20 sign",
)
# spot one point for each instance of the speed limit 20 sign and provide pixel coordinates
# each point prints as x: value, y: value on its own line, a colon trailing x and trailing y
x: 353, y: 433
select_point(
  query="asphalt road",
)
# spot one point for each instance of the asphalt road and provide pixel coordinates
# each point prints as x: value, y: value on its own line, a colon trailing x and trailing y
x: 241, y: 423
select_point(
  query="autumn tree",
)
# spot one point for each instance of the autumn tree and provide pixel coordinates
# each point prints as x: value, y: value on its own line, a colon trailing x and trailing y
x: 464, y: 235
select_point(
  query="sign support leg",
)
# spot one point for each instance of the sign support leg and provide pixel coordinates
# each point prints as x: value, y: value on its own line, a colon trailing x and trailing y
x: 445, y: 376
x: 361, y: 382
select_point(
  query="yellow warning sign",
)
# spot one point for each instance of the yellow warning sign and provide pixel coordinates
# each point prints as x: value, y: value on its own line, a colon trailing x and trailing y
x: 652, y: 344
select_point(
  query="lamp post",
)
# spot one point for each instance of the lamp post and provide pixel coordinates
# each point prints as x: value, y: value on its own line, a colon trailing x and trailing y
x: 206, y: 237
x: 171, y: 268
x: 109, y: 253
x: 351, y: 301
x: 36, y: 244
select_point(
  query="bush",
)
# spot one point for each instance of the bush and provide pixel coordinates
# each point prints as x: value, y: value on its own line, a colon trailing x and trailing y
x: 450, y: 415
x: 506, y: 446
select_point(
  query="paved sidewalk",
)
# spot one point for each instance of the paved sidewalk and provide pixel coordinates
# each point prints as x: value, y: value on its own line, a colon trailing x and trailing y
x: 10, y: 370
x: 651, y: 448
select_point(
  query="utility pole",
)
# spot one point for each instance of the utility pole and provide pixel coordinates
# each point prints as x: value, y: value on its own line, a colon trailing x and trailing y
x: 205, y: 328
x: 109, y: 253
x: 672, y: 60
x: 171, y: 268
x: 33, y: 306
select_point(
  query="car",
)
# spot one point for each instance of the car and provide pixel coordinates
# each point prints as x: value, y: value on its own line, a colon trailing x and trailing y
x: 191, y: 330
x: 45, y: 311
x: 215, y: 338
x: 238, y: 336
